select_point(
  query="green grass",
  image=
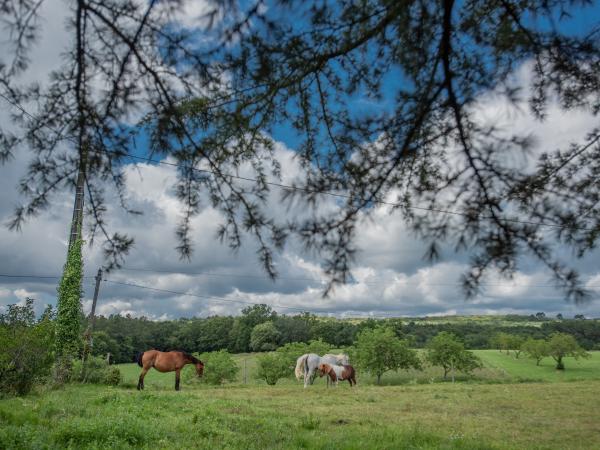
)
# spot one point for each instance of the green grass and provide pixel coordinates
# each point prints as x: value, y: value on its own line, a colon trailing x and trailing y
x: 443, y: 415
x: 492, y: 410
x: 525, y: 369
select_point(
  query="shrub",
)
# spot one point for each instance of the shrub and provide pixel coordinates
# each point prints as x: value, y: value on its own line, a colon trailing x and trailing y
x: 219, y: 368
x: 95, y: 370
x: 25, y: 348
x: 272, y: 367
x: 113, y: 376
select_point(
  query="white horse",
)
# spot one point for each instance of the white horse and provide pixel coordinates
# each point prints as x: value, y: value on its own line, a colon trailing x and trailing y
x: 307, y: 365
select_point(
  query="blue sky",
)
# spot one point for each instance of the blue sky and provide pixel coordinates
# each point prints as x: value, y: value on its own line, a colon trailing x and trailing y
x: 390, y: 277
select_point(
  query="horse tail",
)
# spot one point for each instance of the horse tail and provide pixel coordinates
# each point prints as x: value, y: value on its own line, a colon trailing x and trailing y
x: 138, y: 359
x: 298, y: 371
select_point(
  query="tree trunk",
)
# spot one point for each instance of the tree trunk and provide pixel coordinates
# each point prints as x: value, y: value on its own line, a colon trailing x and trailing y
x: 559, y: 363
x: 378, y: 378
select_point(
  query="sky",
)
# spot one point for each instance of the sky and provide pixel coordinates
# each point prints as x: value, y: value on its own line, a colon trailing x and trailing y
x: 390, y: 275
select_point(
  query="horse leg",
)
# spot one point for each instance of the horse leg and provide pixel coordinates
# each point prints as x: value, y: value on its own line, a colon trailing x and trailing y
x: 177, y: 376
x: 140, y: 385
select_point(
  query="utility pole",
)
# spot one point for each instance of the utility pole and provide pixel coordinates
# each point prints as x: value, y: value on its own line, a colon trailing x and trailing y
x: 92, y: 316
x: 77, y: 220
x: 93, y: 313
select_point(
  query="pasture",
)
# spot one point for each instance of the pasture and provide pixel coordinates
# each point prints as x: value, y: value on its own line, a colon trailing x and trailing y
x: 481, y: 413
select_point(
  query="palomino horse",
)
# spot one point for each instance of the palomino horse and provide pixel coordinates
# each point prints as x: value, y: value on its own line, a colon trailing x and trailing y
x: 307, y: 364
x: 166, y: 362
x: 338, y: 373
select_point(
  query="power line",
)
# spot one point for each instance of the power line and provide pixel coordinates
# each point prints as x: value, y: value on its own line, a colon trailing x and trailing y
x: 284, y: 186
x: 34, y: 276
x: 231, y: 275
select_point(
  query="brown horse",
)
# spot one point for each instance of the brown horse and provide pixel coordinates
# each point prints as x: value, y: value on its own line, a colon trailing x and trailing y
x: 166, y: 362
x: 338, y: 373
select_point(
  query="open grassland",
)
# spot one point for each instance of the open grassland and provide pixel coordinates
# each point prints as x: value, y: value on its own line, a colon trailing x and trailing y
x: 444, y: 415
x: 525, y: 369
x: 490, y: 411
x: 498, y: 368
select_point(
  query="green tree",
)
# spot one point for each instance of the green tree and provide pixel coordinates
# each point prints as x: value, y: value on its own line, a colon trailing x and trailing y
x: 502, y: 341
x: 562, y: 345
x: 239, y: 337
x: 272, y: 367
x: 104, y: 344
x: 447, y: 351
x: 515, y: 343
x: 264, y: 337
x: 536, y: 349
x: 378, y: 350
x: 69, y: 312
x: 25, y: 348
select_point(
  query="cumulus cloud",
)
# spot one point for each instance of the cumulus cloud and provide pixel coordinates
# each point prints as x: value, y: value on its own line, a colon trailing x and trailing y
x: 390, y: 277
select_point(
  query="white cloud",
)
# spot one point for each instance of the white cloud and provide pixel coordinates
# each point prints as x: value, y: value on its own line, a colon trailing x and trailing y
x: 391, y: 277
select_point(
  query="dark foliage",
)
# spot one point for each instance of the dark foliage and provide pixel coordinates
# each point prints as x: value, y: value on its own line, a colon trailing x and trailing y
x: 125, y: 336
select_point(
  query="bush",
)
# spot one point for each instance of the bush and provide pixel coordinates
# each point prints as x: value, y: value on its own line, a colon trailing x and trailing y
x: 113, y: 376
x: 219, y: 368
x: 25, y: 348
x: 95, y: 370
x: 272, y: 367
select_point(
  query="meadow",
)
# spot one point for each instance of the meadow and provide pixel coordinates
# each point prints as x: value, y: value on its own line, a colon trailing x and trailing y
x: 493, y: 409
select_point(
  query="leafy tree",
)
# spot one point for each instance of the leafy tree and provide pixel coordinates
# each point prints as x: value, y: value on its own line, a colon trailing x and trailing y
x: 264, y: 337
x: 447, y: 351
x: 423, y: 64
x: 502, y: 341
x: 239, y: 337
x: 562, y: 345
x: 103, y: 344
x: 292, y: 329
x: 378, y: 350
x: 515, y: 343
x: 272, y: 367
x: 25, y: 348
x: 536, y: 349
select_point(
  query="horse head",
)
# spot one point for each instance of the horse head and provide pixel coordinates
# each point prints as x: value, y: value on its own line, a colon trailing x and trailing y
x: 324, y: 368
x: 199, y: 368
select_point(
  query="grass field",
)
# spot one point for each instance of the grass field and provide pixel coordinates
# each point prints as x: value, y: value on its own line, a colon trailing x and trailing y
x: 477, y: 414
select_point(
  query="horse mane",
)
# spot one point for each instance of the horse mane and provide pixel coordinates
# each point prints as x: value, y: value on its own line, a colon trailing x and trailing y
x: 191, y: 358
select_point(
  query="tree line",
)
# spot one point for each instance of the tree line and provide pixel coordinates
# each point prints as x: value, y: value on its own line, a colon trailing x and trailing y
x: 259, y: 328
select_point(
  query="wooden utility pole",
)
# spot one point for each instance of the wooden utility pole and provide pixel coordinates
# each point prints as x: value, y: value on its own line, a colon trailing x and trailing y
x: 92, y: 317
x: 77, y: 220
x: 93, y: 313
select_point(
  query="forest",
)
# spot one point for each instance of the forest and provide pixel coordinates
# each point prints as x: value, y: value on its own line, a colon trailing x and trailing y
x: 259, y: 328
